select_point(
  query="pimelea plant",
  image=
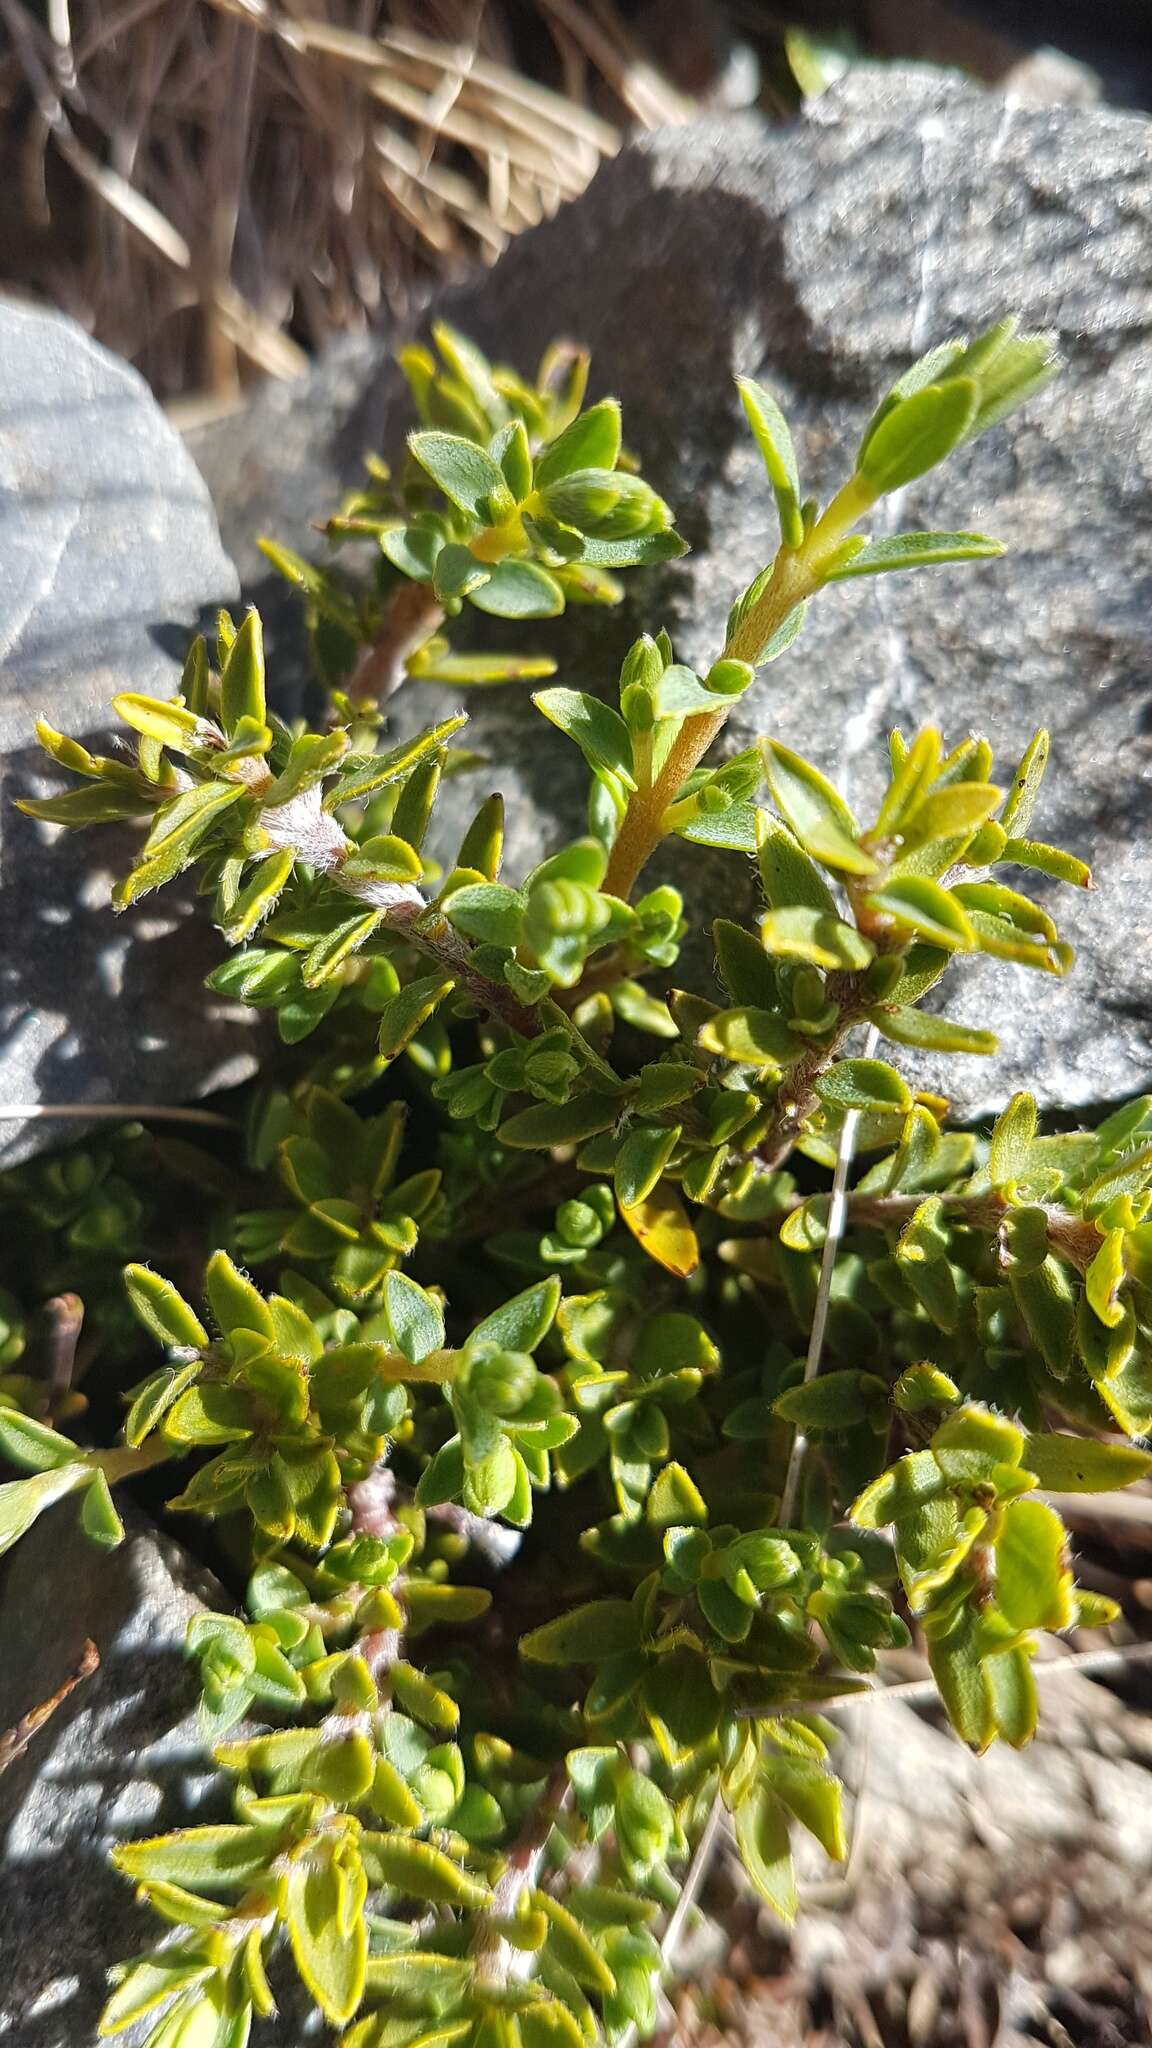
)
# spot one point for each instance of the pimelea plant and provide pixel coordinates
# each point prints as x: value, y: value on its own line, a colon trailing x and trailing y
x: 579, y: 1445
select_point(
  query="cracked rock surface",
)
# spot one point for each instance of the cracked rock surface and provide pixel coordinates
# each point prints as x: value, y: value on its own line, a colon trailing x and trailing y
x: 823, y: 258
x: 109, y: 554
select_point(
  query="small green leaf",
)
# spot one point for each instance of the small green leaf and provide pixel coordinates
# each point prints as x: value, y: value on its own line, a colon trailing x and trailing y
x: 1077, y: 1464
x: 361, y: 775
x: 566, y: 1123
x: 487, y: 911
x: 512, y: 450
x: 234, y: 1302
x: 572, y: 1948
x: 483, y: 843
x: 1047, y: 860
x: 22, y: 1500
x: 759, y: 1037
x: 172, y: 725
x: 417, y: 1870
x: 819, y: 817
x: 814, y: 1797
x: 150, y: 1982
x: 818, y: 936
x: 770, y: 432
x: 591, y: 442
x: 404, y: 1013
x: 414, y: 1317
x: 458, y: 573
x: 916, y: 904
x: 734, y: 828
x: 1033, y: 1581
x: 962, y: 1679
x: 1047, y: 1301
x: 917, y: 434
x: 341, y: 1770
x: 865, y: 1085
x: 790, y: 879
x: 323, y: 1908
x: 1016, y: 815
x: 762, y: 1839
x: 1012, y: 1686
x: 466, y: 474
x: 100, y: 805
x: 208, y: 1859
x: 242, y: 676
x: 905, y: 1025
x: 638, y: 549
x: 98, y: 1517
x: 259, y: 896
x: 913, y: 551
x: 1104, y: 1279
x: 32, y: 1444
x: 518, y: 590
x: 1012, y: 1139
x: 599, y: 732
x: 1009, y: 367
x: 210, y: 1414
x: 155, y: 1397
x: 177, y: 830
x: 950, y: 812
x: 834, y: 1400
x: 585, y: 1635
x: 413, y: 550
x: 522, y: 1323
x: 641, y: 1161
x: 1010, y: 927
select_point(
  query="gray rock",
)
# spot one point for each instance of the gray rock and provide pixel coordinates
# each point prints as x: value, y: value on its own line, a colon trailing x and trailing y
x: 109, y: 554
x: 120, y: 1757
x: 822, y: 258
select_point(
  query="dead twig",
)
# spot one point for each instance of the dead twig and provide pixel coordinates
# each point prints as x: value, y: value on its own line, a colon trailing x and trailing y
x: 14, y: 1741
x: 65, y: 1313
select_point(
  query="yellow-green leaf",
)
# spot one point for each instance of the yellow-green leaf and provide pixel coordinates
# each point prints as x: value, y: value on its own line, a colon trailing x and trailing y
x: 660, y: 1224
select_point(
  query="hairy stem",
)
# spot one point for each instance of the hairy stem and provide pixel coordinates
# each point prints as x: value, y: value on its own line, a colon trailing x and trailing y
x: 436, y: 938
x: 796, y: 574
x: 642, y: 826
x: 797, y: 1096
x: 495, y: 1958
x: 411, y: 617
x: 1073, y: 1238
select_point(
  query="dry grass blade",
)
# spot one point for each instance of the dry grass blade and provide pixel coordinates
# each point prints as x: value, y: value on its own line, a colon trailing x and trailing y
x: 208, y: 185
x: 649, y: 98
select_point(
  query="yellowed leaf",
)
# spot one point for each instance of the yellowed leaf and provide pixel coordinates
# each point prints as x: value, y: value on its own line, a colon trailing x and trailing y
x: 660, y: 1223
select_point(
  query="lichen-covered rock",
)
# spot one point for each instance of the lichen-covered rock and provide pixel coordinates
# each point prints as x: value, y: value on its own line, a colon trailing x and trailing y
x: 822, y: 258
x: 109, y: 555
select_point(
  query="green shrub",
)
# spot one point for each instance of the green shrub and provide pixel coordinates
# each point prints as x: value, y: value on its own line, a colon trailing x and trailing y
x: 545, y: 1246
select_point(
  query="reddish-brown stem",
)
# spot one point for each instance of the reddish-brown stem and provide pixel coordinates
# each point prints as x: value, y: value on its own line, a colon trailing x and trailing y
x: 411, y: 616
x: 1073, y: 1238
x: 495, y: 1959
x: 797, y: 1097
x: 795, y: 575
x: 640, y: 829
